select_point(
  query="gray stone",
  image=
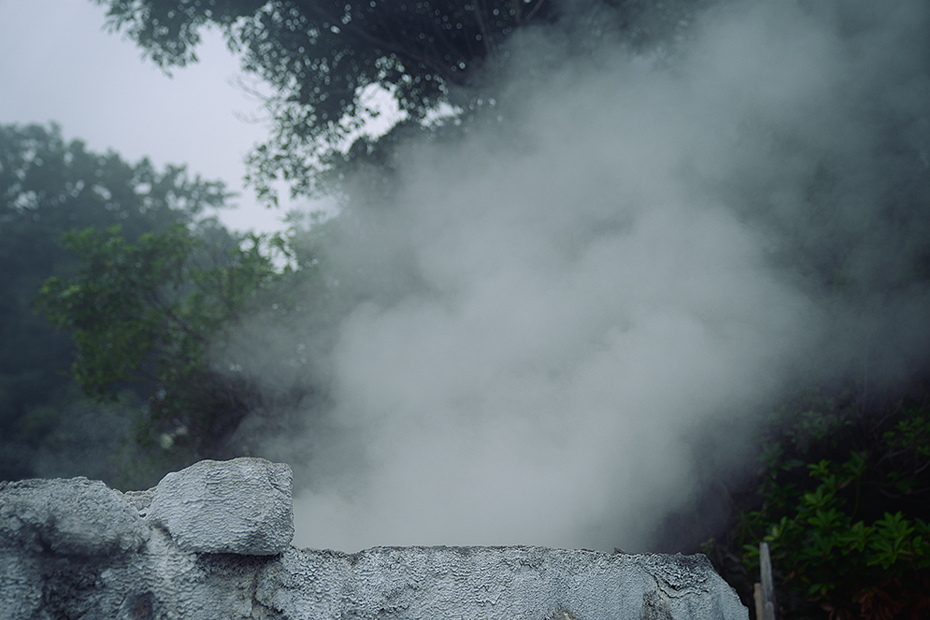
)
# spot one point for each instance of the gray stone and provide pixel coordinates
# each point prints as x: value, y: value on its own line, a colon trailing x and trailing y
x: 72, y: 517
x: 20, y: 585
x: 140, y: 500
x: 532, y: 583
x: 241, y: 506
x: 75, y: 549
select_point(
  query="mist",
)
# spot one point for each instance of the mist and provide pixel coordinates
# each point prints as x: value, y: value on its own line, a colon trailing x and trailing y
x: 633, y: 248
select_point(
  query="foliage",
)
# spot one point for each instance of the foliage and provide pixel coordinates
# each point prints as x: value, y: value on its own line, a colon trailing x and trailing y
x: 844, y: 498
x: 47, y: 187
x: 148, y: 312
x: 61, y: 185
x: 325, y: 59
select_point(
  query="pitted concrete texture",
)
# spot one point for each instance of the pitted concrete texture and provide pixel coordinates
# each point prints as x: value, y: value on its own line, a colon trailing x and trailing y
x: 240, y: 506
x: 532, y: 583
x: 76, y: 549
x: 71, y: 517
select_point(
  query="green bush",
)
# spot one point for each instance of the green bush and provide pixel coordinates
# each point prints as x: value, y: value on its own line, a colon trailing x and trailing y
x: 146, y: 314
x: 842, y: 499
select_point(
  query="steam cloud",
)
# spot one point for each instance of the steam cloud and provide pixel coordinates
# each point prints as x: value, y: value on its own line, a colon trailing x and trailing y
x: 557, y: 305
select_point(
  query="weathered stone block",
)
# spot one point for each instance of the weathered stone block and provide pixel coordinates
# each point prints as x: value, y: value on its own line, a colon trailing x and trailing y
x: 215, y: 544
x: 240, y: 506
x: 496, y: 583
x: 21, y: 584
x: 71, y: 517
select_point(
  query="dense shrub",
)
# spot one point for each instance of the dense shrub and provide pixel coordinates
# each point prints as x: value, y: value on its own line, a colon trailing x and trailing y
x: 842, y: 497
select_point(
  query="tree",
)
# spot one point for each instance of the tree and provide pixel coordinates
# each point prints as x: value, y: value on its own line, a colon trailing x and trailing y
x: 47, y: 187
x: 323, y: 57
x: 149, y: 313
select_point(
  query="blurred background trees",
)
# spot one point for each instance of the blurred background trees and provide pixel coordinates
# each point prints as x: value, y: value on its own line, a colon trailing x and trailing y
x: 132, y: 300
x: 148, y: 314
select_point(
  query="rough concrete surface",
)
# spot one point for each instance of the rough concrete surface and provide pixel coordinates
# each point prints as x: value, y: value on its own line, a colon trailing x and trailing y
x: 240, y: 506
x: 76, y: 549
x: 532, y: 583
x: 71, y: 517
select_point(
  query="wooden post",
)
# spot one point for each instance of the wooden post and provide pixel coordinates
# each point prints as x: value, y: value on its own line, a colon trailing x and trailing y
x: 757, y: 597
x: 767, y: 587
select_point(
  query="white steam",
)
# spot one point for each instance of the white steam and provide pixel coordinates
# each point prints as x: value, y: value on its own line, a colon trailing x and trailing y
x: 596, y: 277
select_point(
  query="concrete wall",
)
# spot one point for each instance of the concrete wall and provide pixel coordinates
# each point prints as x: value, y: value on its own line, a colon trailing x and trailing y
x: 213, y: 541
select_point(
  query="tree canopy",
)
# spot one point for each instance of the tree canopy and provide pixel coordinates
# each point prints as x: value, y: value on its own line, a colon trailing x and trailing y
x: 57, y: 185
x: 148, y: 313
x: 48, y: 186
x: 322, y: 57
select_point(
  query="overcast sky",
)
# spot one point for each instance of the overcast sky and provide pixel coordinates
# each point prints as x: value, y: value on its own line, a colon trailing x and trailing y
x: 59, y: 63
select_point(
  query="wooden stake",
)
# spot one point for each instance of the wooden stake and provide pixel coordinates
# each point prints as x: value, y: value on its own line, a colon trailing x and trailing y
x: 768, y: 585
x: 757, y: 597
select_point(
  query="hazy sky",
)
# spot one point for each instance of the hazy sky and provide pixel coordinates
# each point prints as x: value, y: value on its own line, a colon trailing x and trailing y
x: 59, y: 63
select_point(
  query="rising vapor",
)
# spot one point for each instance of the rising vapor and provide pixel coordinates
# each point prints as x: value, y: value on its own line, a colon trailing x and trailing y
x: 651, y: 239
